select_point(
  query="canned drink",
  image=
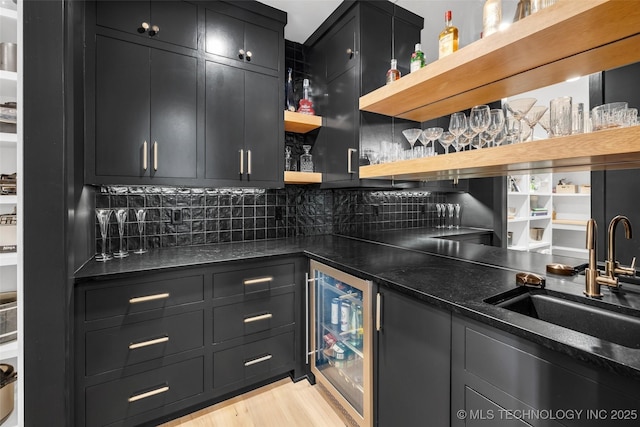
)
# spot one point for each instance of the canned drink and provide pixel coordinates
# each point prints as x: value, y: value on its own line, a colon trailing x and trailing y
x: 356, y: 325
x: 335, y: 311
x: 345, y: 318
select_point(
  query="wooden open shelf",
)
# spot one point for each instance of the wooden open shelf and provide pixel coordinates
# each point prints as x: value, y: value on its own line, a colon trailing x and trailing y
x: 302, y: 177
x: 569, y: 39
x: 301, y: 123
x: 602, y: 150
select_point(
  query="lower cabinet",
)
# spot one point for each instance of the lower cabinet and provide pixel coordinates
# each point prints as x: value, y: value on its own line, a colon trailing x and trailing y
x: 498, y: 379
x: 413, y: 361
x: 150, y: 346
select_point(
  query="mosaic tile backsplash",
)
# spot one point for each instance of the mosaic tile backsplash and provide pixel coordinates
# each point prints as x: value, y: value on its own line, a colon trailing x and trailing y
x: 211, y: 216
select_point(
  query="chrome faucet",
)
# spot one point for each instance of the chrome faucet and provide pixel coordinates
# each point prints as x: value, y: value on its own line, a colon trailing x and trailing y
x: 593, y: 278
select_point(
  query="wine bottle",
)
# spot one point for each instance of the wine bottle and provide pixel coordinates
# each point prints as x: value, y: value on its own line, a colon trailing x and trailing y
x: 289, y: 102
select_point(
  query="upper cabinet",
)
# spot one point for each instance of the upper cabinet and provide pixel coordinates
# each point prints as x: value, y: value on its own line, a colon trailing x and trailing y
x: 173, y: 22
x: 163, y: 109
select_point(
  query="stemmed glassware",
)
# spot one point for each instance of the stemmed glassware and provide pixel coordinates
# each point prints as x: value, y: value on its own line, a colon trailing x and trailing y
x: 545, y: 123
x: 496, y: 124
x: 412, y: 136
x: 457, y: 126
x: 479, y: 121
x: 512, y: 126
x: 534, y: 115
x: 103, y: 219
x: 429, y: 135
x: 457, y: 209
x: 446, y: 139
x: 520, y: 107
x: 439, y: 213
x: 141, y: 215
x: 121, y: 217
x: 450, y: 208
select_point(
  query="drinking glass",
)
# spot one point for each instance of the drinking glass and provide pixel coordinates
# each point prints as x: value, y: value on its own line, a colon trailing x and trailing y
x: 630, y: 117
x: 560, y: 112
x: 457, y: 126
x: 479, y: 140
x: 121, y: 217
x: 545, y: 123
x: 141, y: 214
x: 512, y: 125
x: 446, y: 139
x: 429, y: 135
x: 479, y: 120
x: 457, y: 209
x: 439, y: 213
x: 577, y: 118
x: 496, y: 123
x: 520, y: 107
x: 103, y: 216
x: 451, y: 209
x: 412, y: 136
x: 533, y: 116
x: 500, y: 137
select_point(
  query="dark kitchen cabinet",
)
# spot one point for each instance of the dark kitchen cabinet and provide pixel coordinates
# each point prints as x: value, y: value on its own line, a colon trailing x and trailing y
x: 349, y: 56
x: 145, y: 112
x: 173, y: 22
x: 413, y: 362
x: 243, y: 126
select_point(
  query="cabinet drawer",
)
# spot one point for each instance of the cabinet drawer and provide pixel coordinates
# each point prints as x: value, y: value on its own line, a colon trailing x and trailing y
x: 139, y: 297
x: 235, y: 320
x: 137, y: 394
x: 256, y: 360
x: 121, y: 346
x: 253, y: 281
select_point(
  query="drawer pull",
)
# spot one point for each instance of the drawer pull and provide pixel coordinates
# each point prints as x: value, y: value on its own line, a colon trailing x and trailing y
x: 148, y: 343
x: 258, y: 360
x: 258, y: 318
x: 148, y: 394
x: 137, y: 300
x: 256, y: 281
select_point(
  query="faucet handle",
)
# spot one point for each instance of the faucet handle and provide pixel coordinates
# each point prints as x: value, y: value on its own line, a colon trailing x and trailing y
x: 627, y: 271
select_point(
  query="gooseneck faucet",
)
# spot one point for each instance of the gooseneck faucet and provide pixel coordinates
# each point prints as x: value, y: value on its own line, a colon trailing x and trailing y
x: 593, y: 279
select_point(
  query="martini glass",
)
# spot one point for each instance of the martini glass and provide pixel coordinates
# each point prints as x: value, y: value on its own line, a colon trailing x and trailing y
x: 412, y: 136
x: 141, y: 214
x: 121, y: 217
x: 520, y: 107
x: 429, y: 135
x: 103, y: 216
x: 545, y: 123
x: 446, y: 139
x: 534, y: 115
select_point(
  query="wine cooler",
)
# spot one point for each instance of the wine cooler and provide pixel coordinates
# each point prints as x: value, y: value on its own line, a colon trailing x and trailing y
x: 341, y: 339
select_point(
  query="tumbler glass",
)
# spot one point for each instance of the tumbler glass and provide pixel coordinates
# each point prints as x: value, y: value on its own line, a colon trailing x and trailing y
x: 560, y: 116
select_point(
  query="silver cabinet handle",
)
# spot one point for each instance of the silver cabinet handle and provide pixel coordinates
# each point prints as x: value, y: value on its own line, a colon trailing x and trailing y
x: 148, y: 343
x: 154, y: 30
x: 249, y: 55
x: 350, y: 151
x: 248, y: 162
x: 241, y: 161
x: 155, y: 155
x: 137, y: 300
x: 258, y: 360
x: 145, y: 160
x: 258, y: 280
x: 148, y: 394
x: 306, y: 310
x: 258, y: 318
x: 143, y: 28
x: 378, y: 312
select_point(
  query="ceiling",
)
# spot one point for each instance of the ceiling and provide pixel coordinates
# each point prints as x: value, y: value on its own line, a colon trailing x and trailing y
x: 305, y: 16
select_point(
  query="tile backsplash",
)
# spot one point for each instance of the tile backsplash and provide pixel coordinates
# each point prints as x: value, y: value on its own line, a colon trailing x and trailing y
x: 218, y: 215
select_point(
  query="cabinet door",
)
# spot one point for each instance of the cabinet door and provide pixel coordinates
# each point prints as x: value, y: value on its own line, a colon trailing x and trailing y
x: 122, y: 107
x: 414, y: 348
x: 173, y: 115
x: 126, y: 16
x: 263, y: 44
x: 262, y: 127
x: 224, y: 35
x: 341, y: 49
x: 224, y: 121
x: 178, y: 22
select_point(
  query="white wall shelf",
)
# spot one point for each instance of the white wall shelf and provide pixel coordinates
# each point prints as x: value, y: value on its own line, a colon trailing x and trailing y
x: 9, y: 350
x: 8, y: 258
x: 8, y: 200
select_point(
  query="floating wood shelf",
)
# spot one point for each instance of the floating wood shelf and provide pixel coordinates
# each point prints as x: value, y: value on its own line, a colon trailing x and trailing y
x: 301, y: 123
x: 582, y: 222
x: 602, y: 150
x: 569, y: 39
x: 302, y: 177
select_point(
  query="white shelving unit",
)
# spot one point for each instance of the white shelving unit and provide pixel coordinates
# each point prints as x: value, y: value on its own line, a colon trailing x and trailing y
x: 572, y: 210
x: 11, y: 161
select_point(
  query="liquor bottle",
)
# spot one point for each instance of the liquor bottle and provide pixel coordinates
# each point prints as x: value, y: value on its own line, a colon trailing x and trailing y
x: 417, y: 58
x: 290, y: 103
x: 491, y: 17
x: 448, y: 40
x: 306, y: 160
x: 306, y: 105
x: 393, y: 74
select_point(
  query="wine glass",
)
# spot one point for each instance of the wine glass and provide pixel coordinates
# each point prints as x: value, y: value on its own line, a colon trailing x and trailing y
x: 466, y: 138
x: 512, y: 125
x: 439, y: 213
x: 479, y: 120
x: 103, y: 216
x: 496, y: 123
x: 520, y: 107
x: 412, y: 135
x: 121, y: 217
x: 141, y: 215
x: 430, y: 134
x: 534, y: 115
x: 500, y: 137
x: 446, y: 139
x: 457, y: 126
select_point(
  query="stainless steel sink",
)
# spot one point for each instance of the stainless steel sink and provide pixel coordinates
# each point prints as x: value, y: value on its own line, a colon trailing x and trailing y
x: 609, y: 322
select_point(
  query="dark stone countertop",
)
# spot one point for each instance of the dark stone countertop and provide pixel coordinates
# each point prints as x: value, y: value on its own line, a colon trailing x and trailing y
x: 449, y: 274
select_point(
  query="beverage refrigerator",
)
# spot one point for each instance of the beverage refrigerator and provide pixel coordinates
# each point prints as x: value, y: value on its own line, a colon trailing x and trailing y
x: 341, y: 338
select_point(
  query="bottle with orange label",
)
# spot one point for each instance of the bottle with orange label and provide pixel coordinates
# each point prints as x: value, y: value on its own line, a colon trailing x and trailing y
x: 448, y: 40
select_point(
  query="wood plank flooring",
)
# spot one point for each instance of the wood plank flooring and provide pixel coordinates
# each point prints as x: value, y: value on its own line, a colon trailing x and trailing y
x: 281, y: 404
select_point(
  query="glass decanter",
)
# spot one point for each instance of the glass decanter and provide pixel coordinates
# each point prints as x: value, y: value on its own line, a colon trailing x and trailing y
x: 306, y: 160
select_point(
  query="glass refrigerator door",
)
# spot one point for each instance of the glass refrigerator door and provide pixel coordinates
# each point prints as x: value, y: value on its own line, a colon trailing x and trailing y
x: 342, y: 336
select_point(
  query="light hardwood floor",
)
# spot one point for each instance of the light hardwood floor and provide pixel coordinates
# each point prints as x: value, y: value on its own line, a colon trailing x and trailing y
x: 282, y: 404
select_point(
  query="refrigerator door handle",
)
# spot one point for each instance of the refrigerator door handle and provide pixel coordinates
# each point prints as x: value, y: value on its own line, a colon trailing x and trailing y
x: 378, y: 311
x: 306, y: 308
